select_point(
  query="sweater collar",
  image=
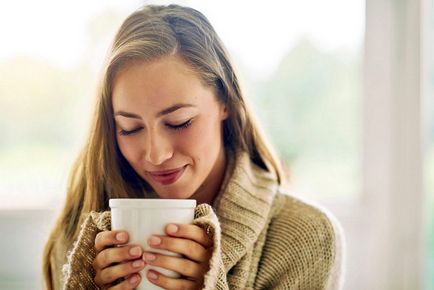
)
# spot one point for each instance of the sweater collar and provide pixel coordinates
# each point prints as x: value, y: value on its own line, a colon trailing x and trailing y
x: 243, y: 206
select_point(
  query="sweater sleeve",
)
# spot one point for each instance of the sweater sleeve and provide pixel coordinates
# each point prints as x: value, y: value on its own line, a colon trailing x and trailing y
x: 215, y: 278
x: 78, y: 272
x: 303, y: 249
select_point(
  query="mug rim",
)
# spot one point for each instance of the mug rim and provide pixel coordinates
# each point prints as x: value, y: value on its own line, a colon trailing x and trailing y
x: 151, y: 203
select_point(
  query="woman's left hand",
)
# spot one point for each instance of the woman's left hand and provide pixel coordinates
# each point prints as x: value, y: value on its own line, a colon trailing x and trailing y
x: 195, y: 248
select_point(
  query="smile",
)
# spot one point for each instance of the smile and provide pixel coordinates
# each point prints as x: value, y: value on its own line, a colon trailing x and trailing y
x: 167, y: 177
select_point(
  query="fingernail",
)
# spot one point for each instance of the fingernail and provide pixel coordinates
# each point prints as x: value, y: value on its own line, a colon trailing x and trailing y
x: 172, y: 229
x: 149, y: 257
x: 138, y: 263
x: 154, y: 240
x: 133, y: 279
x: 152, y: 275
x: 121, y: 237
x: 136, y: 251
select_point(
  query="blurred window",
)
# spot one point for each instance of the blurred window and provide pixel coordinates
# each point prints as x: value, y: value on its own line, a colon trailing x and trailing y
x: 301, y: 68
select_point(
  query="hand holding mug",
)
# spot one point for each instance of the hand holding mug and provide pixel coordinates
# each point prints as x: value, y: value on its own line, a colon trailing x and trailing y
x: 116, y: 264
x: 193, y: 245
x: 144, y: 218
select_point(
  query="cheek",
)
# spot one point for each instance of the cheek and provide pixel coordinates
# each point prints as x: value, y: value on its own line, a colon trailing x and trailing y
x: 202, y: 140
x: 129, y: 149
x: 188, y: 141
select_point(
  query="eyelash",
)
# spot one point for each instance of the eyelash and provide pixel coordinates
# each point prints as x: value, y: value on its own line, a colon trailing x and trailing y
x: 173, y: 127
x: 126, y: 133
x: 180, y: 126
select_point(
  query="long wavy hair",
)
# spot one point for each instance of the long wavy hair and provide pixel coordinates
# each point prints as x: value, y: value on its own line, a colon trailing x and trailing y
x: 100, y: 171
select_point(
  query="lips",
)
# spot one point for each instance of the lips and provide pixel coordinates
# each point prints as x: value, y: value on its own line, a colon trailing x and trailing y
x: 167, y: 177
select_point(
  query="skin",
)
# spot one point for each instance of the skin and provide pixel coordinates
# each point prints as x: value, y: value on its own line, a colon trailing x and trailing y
x: 166, y: 118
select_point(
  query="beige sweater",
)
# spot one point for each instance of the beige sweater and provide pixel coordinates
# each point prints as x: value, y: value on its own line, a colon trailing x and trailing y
x: 263, y: 239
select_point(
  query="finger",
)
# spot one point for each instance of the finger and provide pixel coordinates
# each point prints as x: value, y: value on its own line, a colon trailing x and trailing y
x: 182, y: 266
x: 170, y: 283
x: 111, y: 274
x: 191, y: 249
x: 130, y: 283
x: 116, y: 255
x: 110, y: 238
x: 191, y: 232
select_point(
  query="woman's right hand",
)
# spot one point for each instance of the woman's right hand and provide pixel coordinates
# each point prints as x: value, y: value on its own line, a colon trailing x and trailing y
x: 116, y: 261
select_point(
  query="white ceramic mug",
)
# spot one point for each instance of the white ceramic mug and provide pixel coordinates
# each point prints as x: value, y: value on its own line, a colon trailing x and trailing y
x: 142, y: 218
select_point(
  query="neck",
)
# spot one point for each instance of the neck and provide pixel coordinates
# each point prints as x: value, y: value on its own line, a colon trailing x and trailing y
x: 210, y: 188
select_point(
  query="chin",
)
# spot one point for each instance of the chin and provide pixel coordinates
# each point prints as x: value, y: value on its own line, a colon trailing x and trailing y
x: 174, y: 194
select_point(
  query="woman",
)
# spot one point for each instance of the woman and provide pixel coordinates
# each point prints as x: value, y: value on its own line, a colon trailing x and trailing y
x: 171, y: 122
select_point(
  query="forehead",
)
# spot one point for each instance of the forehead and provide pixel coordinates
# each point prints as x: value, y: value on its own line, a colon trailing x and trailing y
x: 157, y: 84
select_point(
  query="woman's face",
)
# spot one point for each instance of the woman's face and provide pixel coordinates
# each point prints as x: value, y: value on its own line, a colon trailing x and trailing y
x: 169, y: 127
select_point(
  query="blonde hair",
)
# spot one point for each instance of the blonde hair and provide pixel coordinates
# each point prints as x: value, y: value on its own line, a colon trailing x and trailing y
x: 101, y: 172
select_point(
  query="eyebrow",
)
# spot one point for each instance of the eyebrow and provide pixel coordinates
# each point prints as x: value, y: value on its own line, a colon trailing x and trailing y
x: 166, y: 111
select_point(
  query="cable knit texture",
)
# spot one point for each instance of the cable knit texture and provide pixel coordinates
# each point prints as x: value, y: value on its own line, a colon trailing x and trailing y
x: 263, y: 238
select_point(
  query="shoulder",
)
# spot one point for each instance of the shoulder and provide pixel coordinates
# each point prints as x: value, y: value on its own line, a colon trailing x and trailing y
x: 305, y: 243
x: 300, y: 214
x: 304, y: 225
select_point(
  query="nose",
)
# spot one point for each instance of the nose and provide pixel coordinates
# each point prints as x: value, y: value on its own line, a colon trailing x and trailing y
x: 158, y: 149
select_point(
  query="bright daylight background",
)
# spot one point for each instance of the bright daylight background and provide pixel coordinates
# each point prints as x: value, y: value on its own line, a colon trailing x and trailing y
x: 301, y: 62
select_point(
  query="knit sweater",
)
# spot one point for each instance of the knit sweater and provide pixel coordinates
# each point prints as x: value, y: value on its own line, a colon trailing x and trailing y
x: 263, y: 238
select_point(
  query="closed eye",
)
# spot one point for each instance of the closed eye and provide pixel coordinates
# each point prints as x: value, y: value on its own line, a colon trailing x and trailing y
x: 180, y: 126
x: 170, y: 126
x: 130, y: 132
